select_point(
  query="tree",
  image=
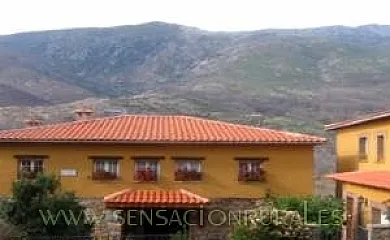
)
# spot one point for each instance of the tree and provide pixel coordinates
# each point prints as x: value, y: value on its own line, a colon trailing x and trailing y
x: 39, y: 208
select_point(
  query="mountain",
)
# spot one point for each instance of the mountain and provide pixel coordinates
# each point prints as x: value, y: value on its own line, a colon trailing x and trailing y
x: 292, y: 79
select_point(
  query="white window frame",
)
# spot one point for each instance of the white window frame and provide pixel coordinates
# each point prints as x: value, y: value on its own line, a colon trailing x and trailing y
x: 384, y: 219
x: 106, y: 165
x: 147, y: 165
x: 190, y: 164
x: 32, y: 162
x: 249, y: 163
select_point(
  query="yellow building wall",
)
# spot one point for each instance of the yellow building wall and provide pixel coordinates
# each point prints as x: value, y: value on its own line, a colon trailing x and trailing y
x: 347, y: 141
x: 374, y: 196
x: 289, y: 170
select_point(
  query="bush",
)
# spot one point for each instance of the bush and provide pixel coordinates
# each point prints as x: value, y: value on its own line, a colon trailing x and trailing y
x: 267, y: 223
x: 289, y: 218
x: 180, y: 235
x: 327, y: 212
x: 33, y: 198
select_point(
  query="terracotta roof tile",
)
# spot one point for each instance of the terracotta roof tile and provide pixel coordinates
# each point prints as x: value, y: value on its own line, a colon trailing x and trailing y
x: 154, y: 129
x: 142, y: 198
x: 374, y: 179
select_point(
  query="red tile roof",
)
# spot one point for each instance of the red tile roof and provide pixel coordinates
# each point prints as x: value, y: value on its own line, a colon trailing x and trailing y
x: 154, y: 198
x: 358, y: 121
x: 373, y: 179
x: 154, y: 129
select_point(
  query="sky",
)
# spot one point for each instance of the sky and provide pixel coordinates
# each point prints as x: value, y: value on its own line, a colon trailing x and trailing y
x: 215, y: 15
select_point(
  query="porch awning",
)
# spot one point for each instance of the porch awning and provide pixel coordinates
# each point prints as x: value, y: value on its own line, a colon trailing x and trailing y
x: 154, y: 198
x: 372, y: 179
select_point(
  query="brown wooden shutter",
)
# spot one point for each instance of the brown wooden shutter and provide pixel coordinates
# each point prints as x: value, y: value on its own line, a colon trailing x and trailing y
x: 380, y: 143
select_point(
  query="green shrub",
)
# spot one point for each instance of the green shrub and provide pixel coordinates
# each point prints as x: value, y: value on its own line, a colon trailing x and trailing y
x: 180, y: 235
x: 326, y: 212
x: 31, y: 198
x: 267, y: 223
x: 289, y: 218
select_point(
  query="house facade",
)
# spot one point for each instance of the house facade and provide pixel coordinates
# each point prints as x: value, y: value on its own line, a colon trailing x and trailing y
x: 160, y: 162
x: 363, y: 155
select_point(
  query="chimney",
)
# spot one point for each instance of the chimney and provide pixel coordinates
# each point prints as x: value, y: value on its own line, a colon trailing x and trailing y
x: 83, y: 113
x: 33, y: 122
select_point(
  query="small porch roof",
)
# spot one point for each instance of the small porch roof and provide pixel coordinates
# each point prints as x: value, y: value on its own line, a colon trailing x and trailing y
x: 180, y: 198
x: 372, y: 179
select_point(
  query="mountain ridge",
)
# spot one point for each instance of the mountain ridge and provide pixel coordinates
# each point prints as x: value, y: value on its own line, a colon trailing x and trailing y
x: 295, y: 79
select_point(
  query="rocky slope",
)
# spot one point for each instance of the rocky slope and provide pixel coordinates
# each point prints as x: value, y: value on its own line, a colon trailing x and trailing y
x: 293, y: 79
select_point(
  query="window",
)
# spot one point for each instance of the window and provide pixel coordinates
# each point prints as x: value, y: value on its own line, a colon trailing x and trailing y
x: 146, y: 170
x: 30, y: 167
x: 188, y: 170
x: 251, y: 170
x: 380, y: 147
x: 105, y: 169
x: 360, y: 212
x: 384, y: 219
x: 363, y: 148
x: 376, y: 216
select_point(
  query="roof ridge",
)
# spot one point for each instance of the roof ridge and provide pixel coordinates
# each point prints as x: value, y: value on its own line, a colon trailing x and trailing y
x: 102, y: 118
x: 253, y: 127
x: 155, y: 128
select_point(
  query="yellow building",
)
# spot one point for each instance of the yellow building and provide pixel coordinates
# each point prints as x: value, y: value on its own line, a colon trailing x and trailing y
x: 363, y: 156
x: 176, y: 162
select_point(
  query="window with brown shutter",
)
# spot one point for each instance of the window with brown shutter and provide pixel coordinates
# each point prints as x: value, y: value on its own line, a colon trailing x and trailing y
x: 30, y: 166
x: 363, y: 148
x: 251, y: 170
x: 188, y: 170
x: 380, y: 147
x: 146, y: 170
x: 105, y: 169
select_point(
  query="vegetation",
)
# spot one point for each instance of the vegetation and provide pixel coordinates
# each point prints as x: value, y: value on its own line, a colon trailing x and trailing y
x: 292, y: 79
x: 180, y: 235
x: 33, y: 201
x: 267, y: 223
x: 326, y: 211
x: 290, y: 218
x: 286, y: 79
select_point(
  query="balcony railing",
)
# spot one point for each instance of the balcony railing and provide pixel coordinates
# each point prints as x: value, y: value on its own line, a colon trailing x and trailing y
x: 185, y: 175
x: 145, y: 176
x: 251, y: 176
x: 103, y: 175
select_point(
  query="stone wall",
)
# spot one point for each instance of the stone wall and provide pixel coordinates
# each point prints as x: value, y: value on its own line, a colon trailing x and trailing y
x: 220, y: 216
x: 105, y: 224
x: 380, y: 232
x: 325, y: 163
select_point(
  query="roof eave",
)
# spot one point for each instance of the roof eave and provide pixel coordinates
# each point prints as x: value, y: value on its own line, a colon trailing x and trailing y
x: 320, y: 141
x: 334, y: 177
x: 350, y: 123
